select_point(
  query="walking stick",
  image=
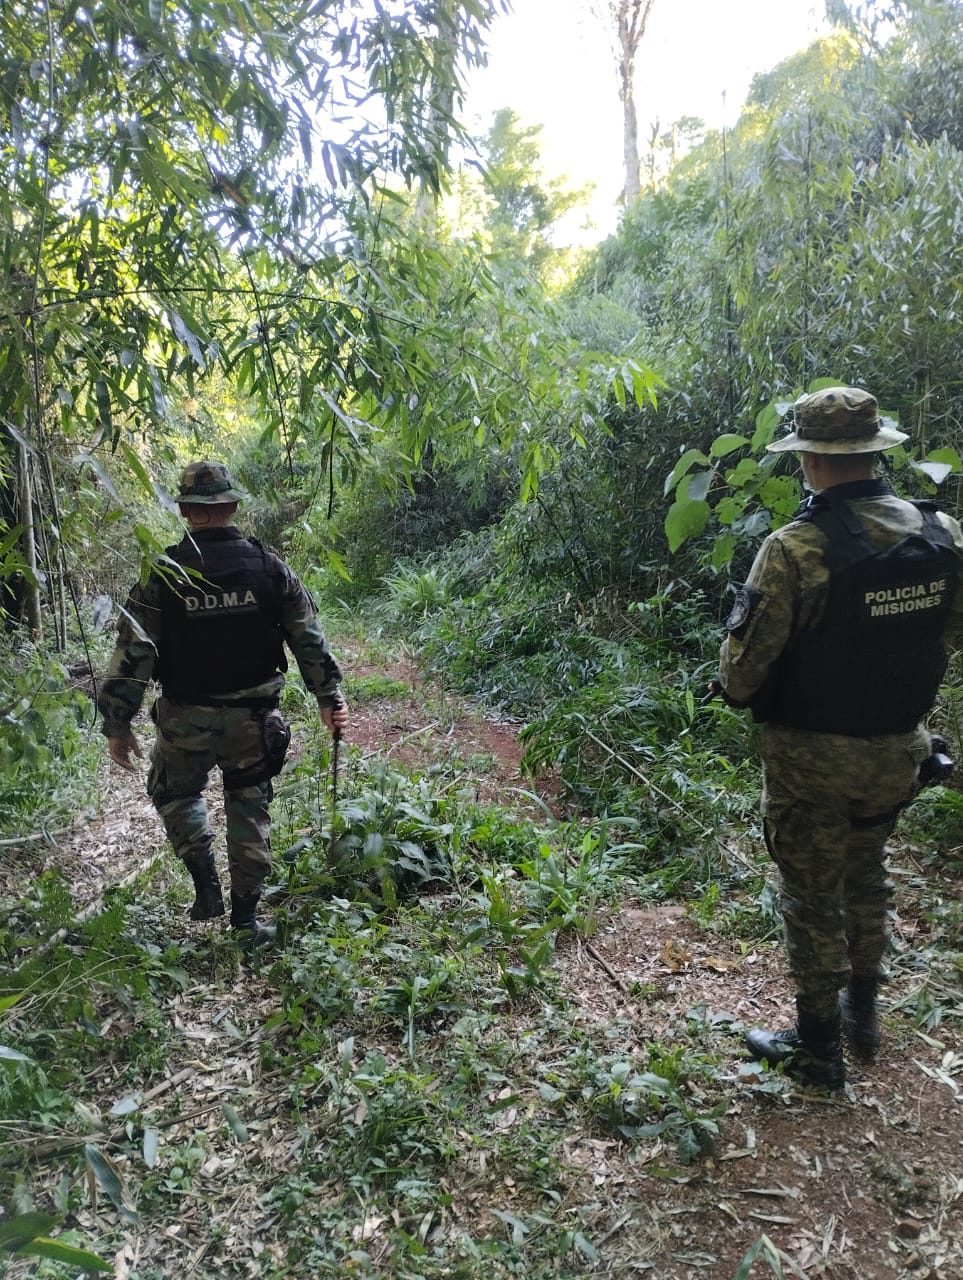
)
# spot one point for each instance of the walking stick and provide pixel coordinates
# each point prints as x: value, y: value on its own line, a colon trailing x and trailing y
x: 334, y: 790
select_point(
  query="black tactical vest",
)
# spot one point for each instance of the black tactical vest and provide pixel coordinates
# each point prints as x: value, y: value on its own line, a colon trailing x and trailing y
x: 874, y: 661
x: 222, y: 627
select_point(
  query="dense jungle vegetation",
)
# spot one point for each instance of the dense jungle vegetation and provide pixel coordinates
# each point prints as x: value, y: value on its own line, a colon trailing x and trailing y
x: 258, y: 231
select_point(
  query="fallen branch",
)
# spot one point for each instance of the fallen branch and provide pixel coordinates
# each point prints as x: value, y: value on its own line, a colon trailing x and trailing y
x: 600, y: 960
x: 415, y: 733
x: 33, y: 837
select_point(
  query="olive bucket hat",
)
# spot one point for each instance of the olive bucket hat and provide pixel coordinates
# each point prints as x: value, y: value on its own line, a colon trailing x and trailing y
x: 838, y: 420
x: 208, y: 482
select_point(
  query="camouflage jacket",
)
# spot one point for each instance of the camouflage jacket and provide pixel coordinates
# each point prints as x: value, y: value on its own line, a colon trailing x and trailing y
x: 787, y: 586
x: 140, y: 640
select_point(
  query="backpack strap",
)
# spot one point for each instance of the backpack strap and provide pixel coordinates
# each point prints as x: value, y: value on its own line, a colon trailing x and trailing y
x: 933, y: 530
x: 848, y: 541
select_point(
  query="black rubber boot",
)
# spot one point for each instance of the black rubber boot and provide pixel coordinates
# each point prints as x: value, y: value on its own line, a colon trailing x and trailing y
x: 859, y: 1014
x: 249, y: 930
x: 208, y: 900
x: 811, y: 1051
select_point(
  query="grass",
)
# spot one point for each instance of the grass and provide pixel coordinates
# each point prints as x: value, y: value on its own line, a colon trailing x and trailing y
x: 374, y: 688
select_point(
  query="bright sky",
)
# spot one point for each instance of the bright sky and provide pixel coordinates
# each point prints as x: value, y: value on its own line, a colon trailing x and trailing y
x: 550, y: 62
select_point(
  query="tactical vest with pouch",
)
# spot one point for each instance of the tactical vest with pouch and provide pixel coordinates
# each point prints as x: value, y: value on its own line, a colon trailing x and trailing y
x: 221, y: 624
x: 874, y: 661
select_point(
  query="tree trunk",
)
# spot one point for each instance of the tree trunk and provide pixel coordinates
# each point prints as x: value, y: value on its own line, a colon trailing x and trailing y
x: 630, y: 148
x: 630, y: 19
x: 28, y: 543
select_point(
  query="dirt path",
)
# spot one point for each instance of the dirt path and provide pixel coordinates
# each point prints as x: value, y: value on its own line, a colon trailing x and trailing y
x: 866, y: 1185
x: 863, y: 1186
x: 100, y: 849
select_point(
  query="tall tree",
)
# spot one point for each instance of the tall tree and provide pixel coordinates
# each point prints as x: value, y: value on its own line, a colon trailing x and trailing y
x: 625, y: 22
x: 526, y: 203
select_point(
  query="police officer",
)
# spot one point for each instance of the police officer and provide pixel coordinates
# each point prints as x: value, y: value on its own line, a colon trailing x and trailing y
x: 837, y: 644
x: 210, y: 626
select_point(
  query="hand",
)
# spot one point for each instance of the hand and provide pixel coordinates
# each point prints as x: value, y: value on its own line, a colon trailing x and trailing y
x: 121, y: 748
x: 336, y: 717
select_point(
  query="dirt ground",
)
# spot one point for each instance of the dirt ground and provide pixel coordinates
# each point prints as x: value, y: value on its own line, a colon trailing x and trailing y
x: 863, y: 1185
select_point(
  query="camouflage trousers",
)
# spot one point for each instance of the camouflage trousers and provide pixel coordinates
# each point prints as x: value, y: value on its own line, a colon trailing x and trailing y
x: 829, y: 804
x: 190, y: 742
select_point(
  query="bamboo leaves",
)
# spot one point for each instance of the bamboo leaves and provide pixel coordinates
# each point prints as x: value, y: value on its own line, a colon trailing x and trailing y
x: 151, y: 144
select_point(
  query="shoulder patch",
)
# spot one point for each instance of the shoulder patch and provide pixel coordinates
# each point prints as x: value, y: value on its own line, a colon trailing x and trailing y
x: 743, y: 606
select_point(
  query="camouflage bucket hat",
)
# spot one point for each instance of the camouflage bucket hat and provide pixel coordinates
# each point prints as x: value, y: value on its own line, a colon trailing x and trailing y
x: 208, y: 482
x: 838, y: 420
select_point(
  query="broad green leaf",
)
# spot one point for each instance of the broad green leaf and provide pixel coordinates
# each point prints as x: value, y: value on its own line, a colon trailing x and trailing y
x: 20, y: 439
x: 12, y: 1055
x: 947, y: 455
x: 698, y: 486
x: 518, y: 1227
x: 774, y: 1258
x: 685, y: 520
x: 821, y: 384
x: 767, y: 420
x: 16, y: 127
x: 683, y: 467
x: 725, y: 444
x: 723, y: 549
x: 781, y: 494
x: 374, y: 843
x: 687, y: 1146
x: 42, y: 1247
x: 24, y: 1227
x: 160, y: 402
x: 730, y: 508
x: 745, y: 470
x: 744, y: 1270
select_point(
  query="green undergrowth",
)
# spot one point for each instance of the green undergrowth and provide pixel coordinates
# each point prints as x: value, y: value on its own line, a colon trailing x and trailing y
x: 416, y: 1047
x: 49, y: 747
x: 612, y: 690
x: 416, y: 1044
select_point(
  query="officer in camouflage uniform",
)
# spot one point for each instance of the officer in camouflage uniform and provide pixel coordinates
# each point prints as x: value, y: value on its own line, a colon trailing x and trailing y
x: 211, y: 630
x: 837, y: 643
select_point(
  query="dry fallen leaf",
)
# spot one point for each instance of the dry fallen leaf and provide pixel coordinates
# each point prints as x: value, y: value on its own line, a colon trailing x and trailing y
x: 675, y: 956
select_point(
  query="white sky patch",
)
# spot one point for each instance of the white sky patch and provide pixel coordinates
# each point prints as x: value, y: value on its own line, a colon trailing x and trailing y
x: 549, y: 61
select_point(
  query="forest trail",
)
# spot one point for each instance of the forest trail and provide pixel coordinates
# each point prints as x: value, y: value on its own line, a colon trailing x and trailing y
x: 232, y: 1176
